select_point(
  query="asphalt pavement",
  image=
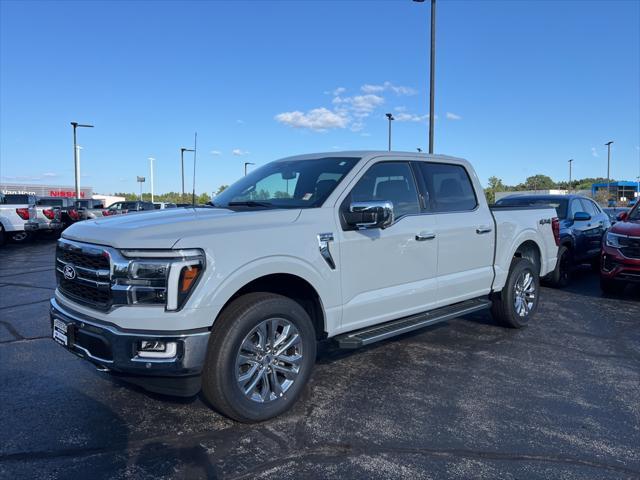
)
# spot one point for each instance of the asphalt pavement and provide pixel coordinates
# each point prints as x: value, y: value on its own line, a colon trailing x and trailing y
x: 463, y: 399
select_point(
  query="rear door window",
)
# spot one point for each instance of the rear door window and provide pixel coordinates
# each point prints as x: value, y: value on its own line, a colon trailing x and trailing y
x: 449, y: 187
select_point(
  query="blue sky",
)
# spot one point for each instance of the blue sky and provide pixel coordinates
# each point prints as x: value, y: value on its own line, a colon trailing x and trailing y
x: 521, y: 86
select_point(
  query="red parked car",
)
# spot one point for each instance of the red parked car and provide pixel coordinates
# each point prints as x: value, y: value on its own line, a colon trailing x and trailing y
x: 621, y: 253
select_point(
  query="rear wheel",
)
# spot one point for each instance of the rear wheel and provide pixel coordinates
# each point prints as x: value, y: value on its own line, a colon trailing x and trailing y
x: 261, y: 353
x: 561, y: 275
x: 516, y: 304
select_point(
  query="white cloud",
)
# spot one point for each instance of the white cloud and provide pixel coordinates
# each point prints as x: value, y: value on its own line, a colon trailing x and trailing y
x: 365, y: 134
x: 388, y: 86
x: 410, y: 117
x: 239, y: 152
x: 453, y: 116
x: 594, y: 152
x: 318, y: 119
x: 400, y: 109
x: 49, y: 174
x: 215, y: 152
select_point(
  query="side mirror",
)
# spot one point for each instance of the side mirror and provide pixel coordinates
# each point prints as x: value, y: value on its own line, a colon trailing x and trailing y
x: 365, y: 215
x: 581, y: 217
x: 622, y: 216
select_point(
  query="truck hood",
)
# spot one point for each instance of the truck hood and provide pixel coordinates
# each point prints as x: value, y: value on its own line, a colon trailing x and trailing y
x: 164, y: 228
x: 631, y: 228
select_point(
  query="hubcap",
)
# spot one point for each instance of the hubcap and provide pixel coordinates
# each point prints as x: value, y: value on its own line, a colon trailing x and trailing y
x: 268, y: 361
x: 525, y: 293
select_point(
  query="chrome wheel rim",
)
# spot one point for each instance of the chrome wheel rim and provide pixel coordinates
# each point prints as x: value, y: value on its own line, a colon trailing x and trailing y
x: 19, y: 237
x: 525, y: 294
x: 268, y: 360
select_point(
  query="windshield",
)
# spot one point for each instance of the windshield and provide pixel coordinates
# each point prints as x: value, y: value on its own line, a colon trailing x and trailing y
x: 559, y: 204
x: 634, y: 214
x: 287, y: 184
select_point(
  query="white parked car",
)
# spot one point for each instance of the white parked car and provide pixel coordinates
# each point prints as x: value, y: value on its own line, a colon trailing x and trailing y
x: 354, y: 246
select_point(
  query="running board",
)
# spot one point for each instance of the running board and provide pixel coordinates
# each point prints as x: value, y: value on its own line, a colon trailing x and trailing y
x: 375, y: 333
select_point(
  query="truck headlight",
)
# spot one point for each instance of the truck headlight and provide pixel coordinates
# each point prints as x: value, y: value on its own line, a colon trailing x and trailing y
x: 160, y: 277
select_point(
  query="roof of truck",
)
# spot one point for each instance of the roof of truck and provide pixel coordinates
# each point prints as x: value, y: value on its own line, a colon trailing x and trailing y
x: 374, y: 153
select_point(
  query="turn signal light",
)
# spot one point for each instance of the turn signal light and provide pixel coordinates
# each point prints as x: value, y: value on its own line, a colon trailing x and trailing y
x: 23, y: 213
x: 187, y: 277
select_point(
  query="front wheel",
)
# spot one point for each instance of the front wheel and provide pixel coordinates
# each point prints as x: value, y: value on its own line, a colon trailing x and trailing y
x: 518, y: 301
x: 260, y: 356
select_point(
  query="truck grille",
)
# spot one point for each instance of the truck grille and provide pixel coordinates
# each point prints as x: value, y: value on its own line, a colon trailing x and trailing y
x: 83, y: 273
x: 631, y: 247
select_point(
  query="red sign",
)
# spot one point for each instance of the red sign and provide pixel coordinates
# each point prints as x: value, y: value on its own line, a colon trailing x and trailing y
x: 64, y: 193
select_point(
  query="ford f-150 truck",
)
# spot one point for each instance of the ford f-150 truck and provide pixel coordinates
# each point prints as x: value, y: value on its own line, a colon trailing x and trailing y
x: 352, y: 246
x: 17, y: 217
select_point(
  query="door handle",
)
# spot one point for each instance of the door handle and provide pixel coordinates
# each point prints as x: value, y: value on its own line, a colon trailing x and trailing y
x: 481, y: 230
x: 422, y: 236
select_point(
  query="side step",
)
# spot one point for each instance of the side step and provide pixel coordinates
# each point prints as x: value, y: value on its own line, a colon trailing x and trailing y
x: 375, y: 333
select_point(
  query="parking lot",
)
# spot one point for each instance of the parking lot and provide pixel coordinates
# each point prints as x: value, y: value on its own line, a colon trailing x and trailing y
x: 464, y: 399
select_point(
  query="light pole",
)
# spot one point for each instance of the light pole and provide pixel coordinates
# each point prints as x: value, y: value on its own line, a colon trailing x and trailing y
x: 76, y: 156
x: 151, y: 159
x: 432, y: 72
x: 570, y: 162
x: 391, y: 119
x: 182, y: 150
x: 608, y: 144
x: 245, y: 167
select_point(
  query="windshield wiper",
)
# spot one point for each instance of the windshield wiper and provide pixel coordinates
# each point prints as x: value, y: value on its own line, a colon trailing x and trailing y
x: 250, y: 203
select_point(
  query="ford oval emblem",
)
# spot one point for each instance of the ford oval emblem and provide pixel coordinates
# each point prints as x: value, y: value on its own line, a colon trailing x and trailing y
x: 69, y: 272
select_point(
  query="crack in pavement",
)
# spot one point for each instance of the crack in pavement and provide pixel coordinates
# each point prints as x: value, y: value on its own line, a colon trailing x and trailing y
x: 25, y: 304
x: 23, y: 339
x: 12, y: 331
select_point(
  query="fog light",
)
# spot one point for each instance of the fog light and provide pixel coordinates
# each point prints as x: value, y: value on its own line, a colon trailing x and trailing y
x: 157, y: 349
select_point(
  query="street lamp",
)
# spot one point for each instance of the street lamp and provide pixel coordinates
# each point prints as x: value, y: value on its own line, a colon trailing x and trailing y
x: 608, y: 144
x: 151, y: 159
x: 76, y: 157
x: 419, y: 149
x: 182, y: 150
x: 245, y: 167
x: 140, y: 180
x: 390, y: 117
x: 432, y: 72
x: 570, y: 162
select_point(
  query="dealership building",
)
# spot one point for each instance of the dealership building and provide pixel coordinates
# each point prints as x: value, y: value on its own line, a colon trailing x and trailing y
x: 44, y: 190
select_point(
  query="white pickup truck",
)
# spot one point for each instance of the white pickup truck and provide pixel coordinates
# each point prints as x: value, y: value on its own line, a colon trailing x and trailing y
x: 17, y: 220
x: 352, y: 246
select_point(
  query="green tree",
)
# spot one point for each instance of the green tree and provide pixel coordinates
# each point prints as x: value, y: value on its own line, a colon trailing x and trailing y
x: 221, y: 189
x: 495, y: 185
x: 539, y: 182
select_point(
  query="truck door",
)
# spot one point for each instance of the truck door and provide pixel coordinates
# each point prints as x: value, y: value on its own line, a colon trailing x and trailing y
x: 465, y: 232
x: 387, y: 273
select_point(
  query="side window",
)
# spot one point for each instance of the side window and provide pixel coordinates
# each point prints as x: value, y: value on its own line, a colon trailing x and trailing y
x: 392, y: 181
x: 449, y: 186
x: 574, y: 207
x: 589, y: 207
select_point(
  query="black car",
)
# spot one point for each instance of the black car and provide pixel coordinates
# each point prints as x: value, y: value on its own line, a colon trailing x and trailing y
x: 130, y: 206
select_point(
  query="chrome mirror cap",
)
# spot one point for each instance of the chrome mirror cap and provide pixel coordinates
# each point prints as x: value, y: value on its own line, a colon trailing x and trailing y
x: 374, y: 214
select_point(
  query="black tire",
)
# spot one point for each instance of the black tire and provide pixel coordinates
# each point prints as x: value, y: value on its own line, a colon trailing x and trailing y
x: 561, y: 275
x: 595, y: 264
x: 504, y: 304
x: 234, y: 325
x: 611, y: 287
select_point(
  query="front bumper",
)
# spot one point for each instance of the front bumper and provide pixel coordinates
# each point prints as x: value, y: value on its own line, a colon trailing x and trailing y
x: 116, y: 350
x: 615, y: 266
